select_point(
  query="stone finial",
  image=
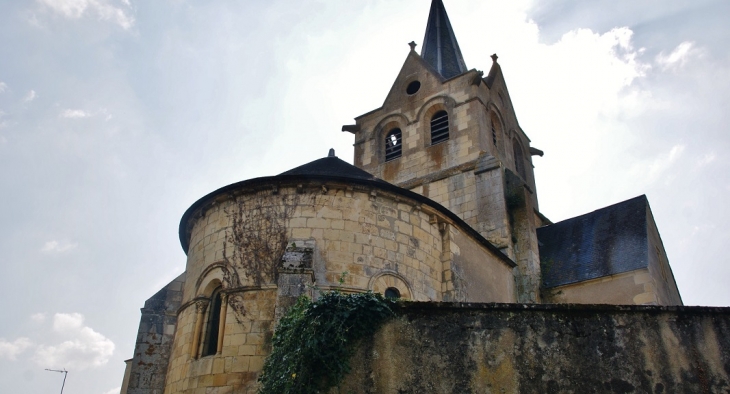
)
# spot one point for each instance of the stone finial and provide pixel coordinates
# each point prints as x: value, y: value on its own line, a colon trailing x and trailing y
x: 494, y: 57
x: 332, y: 153
x: 412, y: 44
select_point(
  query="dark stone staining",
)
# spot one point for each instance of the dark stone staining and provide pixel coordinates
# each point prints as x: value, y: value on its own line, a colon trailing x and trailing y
x: 446, y: 348
x: 297, y: 257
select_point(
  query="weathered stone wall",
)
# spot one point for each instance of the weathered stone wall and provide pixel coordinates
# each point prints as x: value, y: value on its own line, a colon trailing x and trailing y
x: 146, y: 372
x: 632, y: 288
x: 662, y: 282
x: 246, y: 343
x: 264, y: 246
x: 468, y: 277
x: 501, y: 348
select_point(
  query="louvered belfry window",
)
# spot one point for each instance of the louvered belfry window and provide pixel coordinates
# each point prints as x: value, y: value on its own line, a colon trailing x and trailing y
x: 393, y: 145
x: 439, y: 127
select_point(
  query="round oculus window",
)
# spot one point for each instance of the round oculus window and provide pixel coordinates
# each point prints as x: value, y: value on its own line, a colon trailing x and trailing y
x: 413, y: 87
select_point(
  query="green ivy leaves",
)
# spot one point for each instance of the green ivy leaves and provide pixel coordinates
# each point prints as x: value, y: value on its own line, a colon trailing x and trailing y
x: 314, y: 340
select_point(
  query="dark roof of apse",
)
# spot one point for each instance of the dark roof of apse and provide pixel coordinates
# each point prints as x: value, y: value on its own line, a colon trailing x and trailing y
x: 605, y: 242
x: 332, y: 168
x: 440, y: 48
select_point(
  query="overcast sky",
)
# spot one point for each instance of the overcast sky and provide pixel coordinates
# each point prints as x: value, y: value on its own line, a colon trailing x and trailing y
x: 116, y: 115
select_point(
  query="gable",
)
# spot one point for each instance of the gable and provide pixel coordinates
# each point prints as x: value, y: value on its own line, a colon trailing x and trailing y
x: 414, y: 69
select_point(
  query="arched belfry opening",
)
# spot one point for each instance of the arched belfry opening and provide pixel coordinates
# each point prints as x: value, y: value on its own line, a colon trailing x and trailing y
x: 393, y: 144
x: 519, y: 159
x: 439, y: 127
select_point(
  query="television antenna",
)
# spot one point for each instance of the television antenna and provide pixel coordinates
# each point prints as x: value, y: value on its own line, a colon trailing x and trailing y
x: 64, y: 372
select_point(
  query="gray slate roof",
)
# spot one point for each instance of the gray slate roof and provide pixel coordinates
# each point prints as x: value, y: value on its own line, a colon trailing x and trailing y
x: 605, y: 242
x: 440, y: 48
x: 331, y: 166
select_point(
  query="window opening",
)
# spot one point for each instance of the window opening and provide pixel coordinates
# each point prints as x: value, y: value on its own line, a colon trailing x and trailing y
x: 393, y: 145
x: 494, y: 133
x: 439, y: 127
x: 519, y: 159
x: 210, y: 345
x: 413, y: 87
x: 392, y: 292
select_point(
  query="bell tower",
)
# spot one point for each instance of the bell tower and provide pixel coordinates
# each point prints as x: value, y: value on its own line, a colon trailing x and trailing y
x: 451, y: 134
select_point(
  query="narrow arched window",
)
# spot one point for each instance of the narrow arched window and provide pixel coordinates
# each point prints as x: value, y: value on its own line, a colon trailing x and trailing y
x: 519, y: 159
x: 393, y: 144
x: 210, y: 344
x: 439, y: 127
x: 494, y: 133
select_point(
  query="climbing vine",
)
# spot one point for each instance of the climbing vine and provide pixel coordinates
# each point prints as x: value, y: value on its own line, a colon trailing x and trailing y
x: 258, y: 235
x: 314, y: 340
x: 257, y: 238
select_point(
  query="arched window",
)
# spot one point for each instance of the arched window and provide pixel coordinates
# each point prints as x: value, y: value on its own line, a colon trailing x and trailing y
x: 439, y: 127
x: 519, y: 159
x: 393, y: 144
x: 210, y: 344
x: 494, y: 133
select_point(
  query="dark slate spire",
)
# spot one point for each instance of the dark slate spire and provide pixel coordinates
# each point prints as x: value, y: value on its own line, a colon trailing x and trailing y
x: 440, y: 48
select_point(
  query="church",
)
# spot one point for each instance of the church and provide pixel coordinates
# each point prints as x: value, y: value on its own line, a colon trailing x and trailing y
x: 441, y: 205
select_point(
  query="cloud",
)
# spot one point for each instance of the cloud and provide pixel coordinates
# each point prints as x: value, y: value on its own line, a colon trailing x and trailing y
x: 84, y: 348
x: 3, y: 87
x: 115, y: 390
x: 660, y: 164
x: 104, y: 10
x: 75, y: 114
x: 30, y: 96
x: 11, y: 350
x: 678, y: 57
x: 54, y: 246
x: 38, y: 317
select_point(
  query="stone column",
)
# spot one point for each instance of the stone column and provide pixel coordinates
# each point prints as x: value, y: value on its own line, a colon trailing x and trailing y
x: 200, y: 309
x: 222, y: 322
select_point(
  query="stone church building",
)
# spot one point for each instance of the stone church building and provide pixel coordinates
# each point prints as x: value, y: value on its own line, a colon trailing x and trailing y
x: 441, y: 205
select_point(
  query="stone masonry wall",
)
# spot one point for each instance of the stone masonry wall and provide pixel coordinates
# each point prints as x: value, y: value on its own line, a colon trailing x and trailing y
x: 155, y: 340
x: 376, y: 238
x: 469, y: 168
x: 502, y: 348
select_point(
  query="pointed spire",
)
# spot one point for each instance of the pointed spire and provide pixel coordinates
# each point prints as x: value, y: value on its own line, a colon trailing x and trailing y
x: 440, y: 48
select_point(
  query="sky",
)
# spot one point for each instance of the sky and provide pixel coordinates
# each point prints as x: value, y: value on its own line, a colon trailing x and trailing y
x: 117, y: 115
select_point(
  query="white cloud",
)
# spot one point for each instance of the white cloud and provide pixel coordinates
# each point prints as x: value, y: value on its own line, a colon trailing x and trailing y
x: 38, y: 317
x: 659, y: 165
x: 30, y: 96
x: 3, y: 87
x: 75, y: 114
x: 678, y: 57
x: 84, y: 348
x: 115, y: 390
x: 11, y: 350
x: 104, y: 10
x: 54, y: 246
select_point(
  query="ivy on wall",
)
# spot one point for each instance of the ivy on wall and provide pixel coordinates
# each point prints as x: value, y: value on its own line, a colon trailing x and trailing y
x: 314, y: 340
